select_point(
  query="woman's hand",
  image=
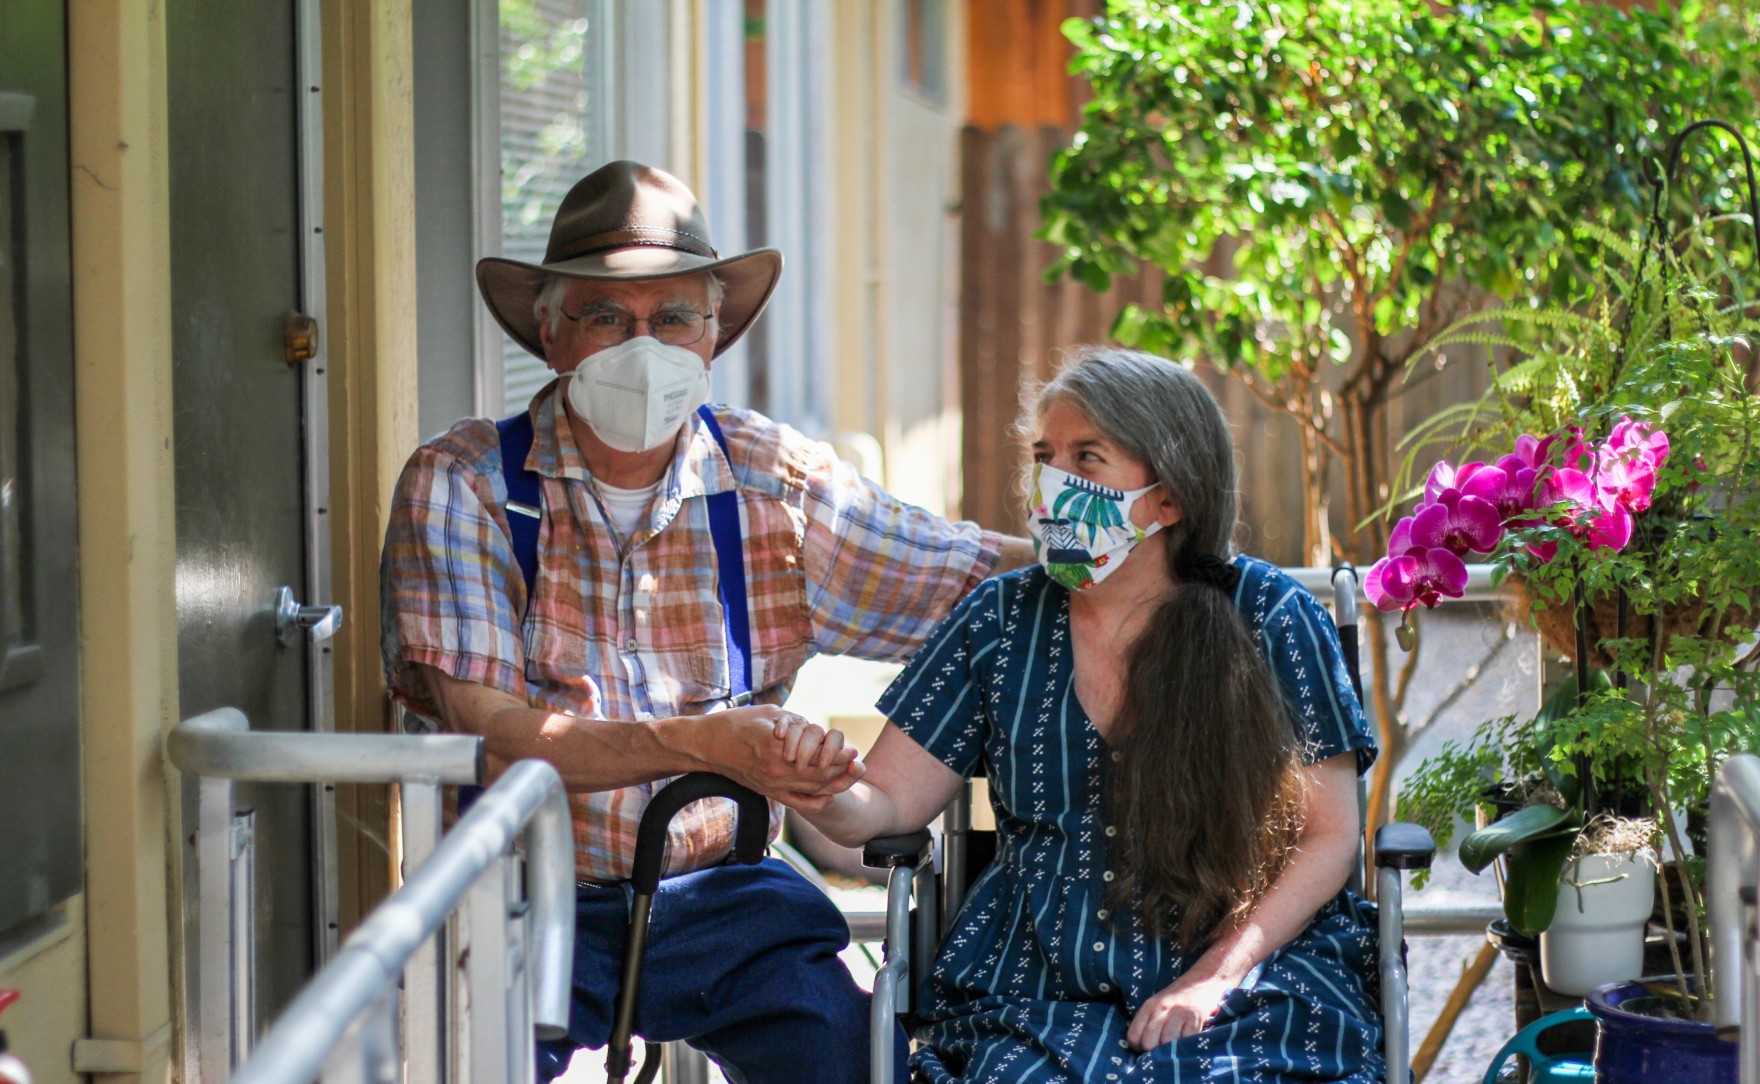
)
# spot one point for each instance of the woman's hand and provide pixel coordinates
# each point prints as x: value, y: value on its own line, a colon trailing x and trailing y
x: 807, y: 745
x: 1185, y: 1008
x: 1317, y: 869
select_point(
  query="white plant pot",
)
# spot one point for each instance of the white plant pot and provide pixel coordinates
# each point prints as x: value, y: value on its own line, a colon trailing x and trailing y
x: 1597, y: 935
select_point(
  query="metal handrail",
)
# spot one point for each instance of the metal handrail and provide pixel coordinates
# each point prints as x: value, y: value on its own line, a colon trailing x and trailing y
x: 220, y: 748
x: 529, y: 799
x: 1731, y: 872
x: 221, y: 744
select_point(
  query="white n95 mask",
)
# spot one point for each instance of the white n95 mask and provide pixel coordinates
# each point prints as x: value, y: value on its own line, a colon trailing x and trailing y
x: 636, y: 394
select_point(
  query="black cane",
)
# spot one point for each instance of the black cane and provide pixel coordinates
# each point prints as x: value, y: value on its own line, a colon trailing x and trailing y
x: 748, y: 848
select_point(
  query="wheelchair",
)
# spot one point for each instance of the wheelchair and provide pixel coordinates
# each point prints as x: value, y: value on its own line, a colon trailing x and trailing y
x: 926, y: 883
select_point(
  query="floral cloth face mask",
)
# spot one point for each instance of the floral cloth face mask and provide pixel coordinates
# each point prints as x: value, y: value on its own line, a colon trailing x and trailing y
x: 1082, y: 530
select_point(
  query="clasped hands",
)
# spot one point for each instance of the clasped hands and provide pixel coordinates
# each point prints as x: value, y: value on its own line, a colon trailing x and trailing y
x: 783, y: 756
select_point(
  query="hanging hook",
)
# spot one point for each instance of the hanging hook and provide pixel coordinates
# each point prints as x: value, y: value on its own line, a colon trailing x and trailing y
x: 1655, y: 227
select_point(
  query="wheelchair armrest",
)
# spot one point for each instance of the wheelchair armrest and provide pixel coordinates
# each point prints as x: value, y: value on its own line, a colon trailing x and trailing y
x: 883, y: 852
x: 1403, y: 846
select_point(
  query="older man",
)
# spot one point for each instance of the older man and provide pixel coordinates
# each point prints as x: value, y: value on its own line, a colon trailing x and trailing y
x: 624, y: 582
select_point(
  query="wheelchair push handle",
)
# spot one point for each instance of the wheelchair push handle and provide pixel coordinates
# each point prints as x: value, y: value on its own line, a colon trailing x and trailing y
x: 750, y: 839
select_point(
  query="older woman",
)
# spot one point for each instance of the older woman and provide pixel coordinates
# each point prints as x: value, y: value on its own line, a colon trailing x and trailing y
x: 1173, y: 746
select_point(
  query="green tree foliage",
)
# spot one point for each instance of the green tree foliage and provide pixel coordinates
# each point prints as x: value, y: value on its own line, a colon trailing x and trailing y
x: 1326, y: 185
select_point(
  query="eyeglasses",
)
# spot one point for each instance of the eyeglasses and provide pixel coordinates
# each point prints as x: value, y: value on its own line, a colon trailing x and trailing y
x: 608, y: 327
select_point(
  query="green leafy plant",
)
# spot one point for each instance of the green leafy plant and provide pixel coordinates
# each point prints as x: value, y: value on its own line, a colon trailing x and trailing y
x: 1666, y: 346
x: 1326, y: 185
x: 1513, y: 763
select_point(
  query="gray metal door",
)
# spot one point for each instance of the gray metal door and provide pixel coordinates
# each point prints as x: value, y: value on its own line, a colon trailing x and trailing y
x: 241, y: 503
x: 41, y: 849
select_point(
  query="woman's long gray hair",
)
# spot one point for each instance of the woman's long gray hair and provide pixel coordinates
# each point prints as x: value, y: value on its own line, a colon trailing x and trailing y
x: 1206, y: 792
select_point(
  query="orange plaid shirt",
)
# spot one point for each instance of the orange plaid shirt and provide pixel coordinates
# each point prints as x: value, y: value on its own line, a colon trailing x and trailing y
x: 631, y: 629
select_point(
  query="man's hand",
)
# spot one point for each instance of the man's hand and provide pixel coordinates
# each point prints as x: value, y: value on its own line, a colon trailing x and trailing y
x: 810, y: 745
x: 749, y: 745
x: 776, y: 753
x: 1184, y: 1008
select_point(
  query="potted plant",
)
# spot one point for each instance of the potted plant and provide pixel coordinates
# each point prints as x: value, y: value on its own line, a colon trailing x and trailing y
x: 1566, y: 822
x: 1632, y: 488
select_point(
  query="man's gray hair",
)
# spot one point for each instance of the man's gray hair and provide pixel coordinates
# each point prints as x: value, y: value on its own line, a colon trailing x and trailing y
x: 1165, y: 418
x: 548, y: 304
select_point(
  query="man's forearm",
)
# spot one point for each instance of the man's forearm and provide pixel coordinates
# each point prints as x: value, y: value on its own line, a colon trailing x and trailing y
x: 589, y: 754
x: 601, y: 754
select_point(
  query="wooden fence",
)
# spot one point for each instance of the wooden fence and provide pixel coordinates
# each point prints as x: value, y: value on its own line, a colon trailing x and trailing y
x: 1013, y: 326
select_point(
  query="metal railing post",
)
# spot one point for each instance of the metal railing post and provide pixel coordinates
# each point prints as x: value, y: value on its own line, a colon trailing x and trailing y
x: 485, y: 977
x: 522, y: 1056
x: 368, y: 1053
x: 424, y: 984
x: 680, y: 1064
x: 1732, y: 871
x: 242, y: 886
x: 211, y: 988
x: 528, y: 802
x: 219, y: 748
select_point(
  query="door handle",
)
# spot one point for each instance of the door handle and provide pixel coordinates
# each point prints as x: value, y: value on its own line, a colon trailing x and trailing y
x: 319, y: 622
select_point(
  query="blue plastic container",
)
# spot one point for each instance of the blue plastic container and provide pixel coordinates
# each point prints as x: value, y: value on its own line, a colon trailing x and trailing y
x: 1545, y: 1068
x: 1634, y: 1048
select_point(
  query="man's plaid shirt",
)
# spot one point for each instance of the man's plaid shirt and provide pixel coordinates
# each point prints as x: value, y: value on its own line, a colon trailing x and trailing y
x: 833, y: 565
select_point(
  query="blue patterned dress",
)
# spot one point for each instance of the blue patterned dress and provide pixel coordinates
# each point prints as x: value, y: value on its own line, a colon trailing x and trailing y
x: 1034, y: 983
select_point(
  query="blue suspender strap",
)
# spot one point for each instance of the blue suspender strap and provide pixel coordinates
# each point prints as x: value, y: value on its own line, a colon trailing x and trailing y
x: 525, y: 501
x: 730, y: 584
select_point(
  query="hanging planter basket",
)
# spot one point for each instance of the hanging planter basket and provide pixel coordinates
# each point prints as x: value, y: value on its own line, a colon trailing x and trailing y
x: 1600, y: 619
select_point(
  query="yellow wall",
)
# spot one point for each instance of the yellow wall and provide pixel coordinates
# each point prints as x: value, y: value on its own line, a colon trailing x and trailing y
x: 127, y: 536
x: 370, y: 225
x: 50, y: 971
x: 894, y: 280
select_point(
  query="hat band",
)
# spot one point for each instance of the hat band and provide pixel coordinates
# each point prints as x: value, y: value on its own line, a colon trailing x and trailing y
x: 634, y: 235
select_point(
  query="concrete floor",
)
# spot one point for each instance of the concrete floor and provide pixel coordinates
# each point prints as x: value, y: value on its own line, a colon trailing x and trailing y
x: 1473, y: 666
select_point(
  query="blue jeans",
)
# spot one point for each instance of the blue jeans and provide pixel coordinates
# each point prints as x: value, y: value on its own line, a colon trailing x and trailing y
x: 741, y: 963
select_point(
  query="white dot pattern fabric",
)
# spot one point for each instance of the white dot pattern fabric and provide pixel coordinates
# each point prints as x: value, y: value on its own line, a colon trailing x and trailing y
x: 1032, y: 982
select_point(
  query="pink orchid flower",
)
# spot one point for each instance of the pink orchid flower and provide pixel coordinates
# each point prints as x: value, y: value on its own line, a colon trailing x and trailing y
x: 1532, y: 451
x: 1417, y: 577
x: 1627, y: 464
x: 1577, y: 453
x: 1400, y: 540
x: 1458, y: 523
x: 1445, y: 478
x: 1626, y: 480
x: 1598, y: 519
x: 1635, y: 436
x: 1510, y: 485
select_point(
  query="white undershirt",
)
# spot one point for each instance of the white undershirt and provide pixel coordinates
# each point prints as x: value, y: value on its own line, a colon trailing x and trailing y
x: 624, y: 507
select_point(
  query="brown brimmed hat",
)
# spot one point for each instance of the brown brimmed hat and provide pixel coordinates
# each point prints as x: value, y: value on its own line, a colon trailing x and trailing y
x: 629, y: 221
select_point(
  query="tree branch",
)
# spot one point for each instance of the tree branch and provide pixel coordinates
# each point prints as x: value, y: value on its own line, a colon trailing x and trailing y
x: 1420, y: 229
